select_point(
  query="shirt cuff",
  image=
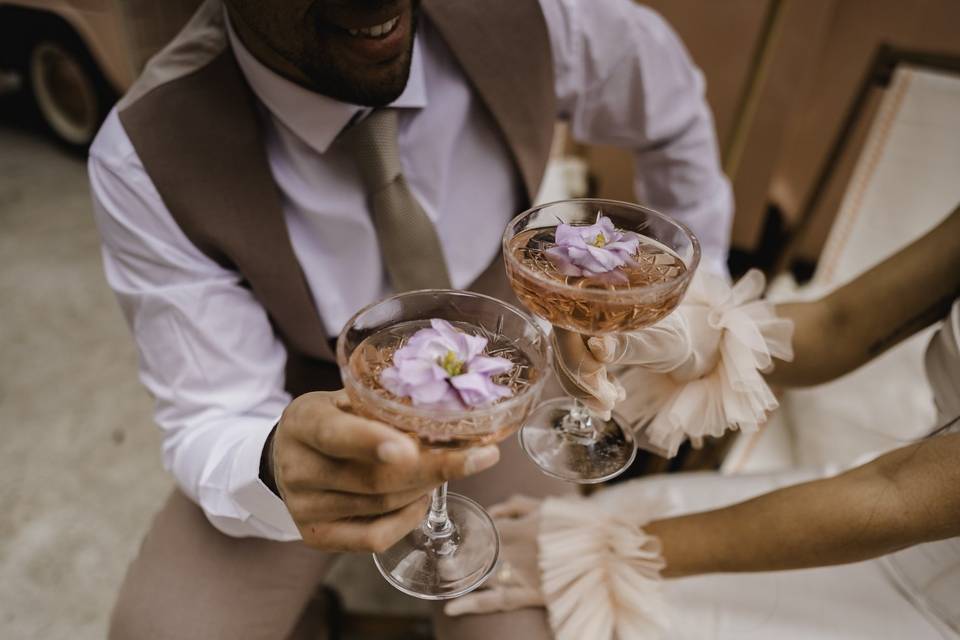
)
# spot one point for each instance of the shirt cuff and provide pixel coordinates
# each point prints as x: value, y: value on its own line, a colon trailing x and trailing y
x: 252, y: 495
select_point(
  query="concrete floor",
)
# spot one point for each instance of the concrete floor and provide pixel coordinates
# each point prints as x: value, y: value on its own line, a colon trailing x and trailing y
x: 79, y: 461
x: 80, y: 472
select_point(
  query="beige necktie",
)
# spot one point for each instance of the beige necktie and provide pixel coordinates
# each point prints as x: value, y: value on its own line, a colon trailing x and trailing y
x: 408, y: 240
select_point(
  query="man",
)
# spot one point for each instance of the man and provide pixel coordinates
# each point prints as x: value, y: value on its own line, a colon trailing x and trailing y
x: 282, y: 164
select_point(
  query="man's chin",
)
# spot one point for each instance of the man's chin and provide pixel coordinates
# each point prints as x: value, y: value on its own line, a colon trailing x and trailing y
x: 372, y: 92
x: 376, y: 88
x: 367, y: 71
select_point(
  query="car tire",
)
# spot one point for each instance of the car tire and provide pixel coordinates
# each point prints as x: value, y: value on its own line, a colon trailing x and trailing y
x: 70, y: 94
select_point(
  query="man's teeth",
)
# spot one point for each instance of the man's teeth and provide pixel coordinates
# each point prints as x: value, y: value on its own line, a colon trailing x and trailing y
x: 377, y: 30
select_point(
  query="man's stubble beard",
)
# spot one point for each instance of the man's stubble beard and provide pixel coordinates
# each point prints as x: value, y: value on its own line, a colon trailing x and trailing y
x: 371, y: 92
x: 335, y: 79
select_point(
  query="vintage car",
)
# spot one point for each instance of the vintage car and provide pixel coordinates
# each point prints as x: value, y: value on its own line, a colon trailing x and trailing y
x: 72, y: 58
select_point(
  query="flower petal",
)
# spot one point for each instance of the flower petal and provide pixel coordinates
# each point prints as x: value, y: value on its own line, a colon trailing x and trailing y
x: 419, y: 370
x: 449, y: 335
x: 561, y: 259
x: 629, y: 245
x: 577, y: 252
x: 605, y: 225
x: 489, y: 366
x: 425, y: 344
x: 392, y: 381
x: 605, y: 259
x: 569, y: 236
x: 430, y: 393
x: 472, y: 346
x: 477, y: 390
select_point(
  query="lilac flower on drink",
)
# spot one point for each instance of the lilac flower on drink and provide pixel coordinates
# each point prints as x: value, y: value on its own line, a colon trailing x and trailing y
x: 443, y: 367
x: 593, y: 250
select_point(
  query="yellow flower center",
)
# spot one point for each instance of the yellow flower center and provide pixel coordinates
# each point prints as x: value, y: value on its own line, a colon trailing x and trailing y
x: 600, y: 241
x: 451, y: 365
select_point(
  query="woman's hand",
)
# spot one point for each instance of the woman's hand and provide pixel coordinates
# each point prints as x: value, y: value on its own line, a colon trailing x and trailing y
x: 516, y: 583
x: 583, y: 376
x: 595, y: 570
x: 695, y: 373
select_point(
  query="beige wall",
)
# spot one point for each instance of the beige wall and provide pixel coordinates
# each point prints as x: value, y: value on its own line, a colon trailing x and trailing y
x: 781, y: 77
x: 783, y: 68
x: 856, y: 30
x: 722, y: 38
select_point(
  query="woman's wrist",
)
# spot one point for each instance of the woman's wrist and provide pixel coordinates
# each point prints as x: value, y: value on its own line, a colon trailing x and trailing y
x: 675, y: 561
x: 684, y: 547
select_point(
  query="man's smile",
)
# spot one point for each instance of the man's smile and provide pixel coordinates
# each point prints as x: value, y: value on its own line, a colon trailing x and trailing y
x: 369, y: 36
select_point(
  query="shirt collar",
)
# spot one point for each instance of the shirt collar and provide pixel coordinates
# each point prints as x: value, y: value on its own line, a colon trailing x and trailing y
x: 315, y: 118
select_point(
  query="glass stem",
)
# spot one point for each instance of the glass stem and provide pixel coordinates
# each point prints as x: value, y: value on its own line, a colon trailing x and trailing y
x: 578, y: 422
x: 438, y: 525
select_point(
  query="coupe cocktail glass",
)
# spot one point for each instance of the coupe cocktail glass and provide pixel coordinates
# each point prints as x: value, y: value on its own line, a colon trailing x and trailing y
x: 457, y: 546
x: 561, y: 436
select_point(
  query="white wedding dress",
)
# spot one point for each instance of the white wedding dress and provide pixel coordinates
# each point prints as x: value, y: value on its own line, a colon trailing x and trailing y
x: 912, y: 594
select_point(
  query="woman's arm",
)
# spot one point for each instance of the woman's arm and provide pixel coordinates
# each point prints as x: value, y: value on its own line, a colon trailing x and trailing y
x: 903, y: 498
x: 903, y: 294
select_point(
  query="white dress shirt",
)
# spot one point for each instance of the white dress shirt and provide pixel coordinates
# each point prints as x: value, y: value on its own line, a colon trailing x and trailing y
x: 207, y: 350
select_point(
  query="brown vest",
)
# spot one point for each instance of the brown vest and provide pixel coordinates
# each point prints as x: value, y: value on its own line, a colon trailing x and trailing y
x: 193, y: 121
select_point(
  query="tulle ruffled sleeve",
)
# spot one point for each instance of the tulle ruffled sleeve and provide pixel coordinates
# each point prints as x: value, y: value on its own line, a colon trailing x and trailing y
x: 600, y: 572
x: 744, y: 336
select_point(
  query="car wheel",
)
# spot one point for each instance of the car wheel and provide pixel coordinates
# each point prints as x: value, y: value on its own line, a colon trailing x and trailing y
x: 68, y: 90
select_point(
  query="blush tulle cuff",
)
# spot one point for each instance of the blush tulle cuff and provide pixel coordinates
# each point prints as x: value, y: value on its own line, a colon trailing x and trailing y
x: 733, y: 393
x: 600, y: 572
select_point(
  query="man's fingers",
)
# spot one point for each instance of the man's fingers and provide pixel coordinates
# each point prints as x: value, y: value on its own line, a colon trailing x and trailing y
x: 441, y: 466
x: 340, y: 434
x: 446, y: 466
x: 373, y: 535
x: 429, y: 470
x: 341, y: 400
x: 336, y: 505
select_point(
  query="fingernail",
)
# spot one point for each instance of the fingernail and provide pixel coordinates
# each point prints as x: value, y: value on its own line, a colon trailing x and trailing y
x: 598, y: 347
x: 608, y: 393
x: 396, y: 451
x: 480, y: 459
x: 619, y: 390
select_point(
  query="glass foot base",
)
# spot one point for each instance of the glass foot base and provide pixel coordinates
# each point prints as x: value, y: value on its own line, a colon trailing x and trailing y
x: 584, y: 460
x: 438, y: 569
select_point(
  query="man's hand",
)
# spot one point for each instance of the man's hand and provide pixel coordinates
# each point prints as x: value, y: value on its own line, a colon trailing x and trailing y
x: 353, y: 484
